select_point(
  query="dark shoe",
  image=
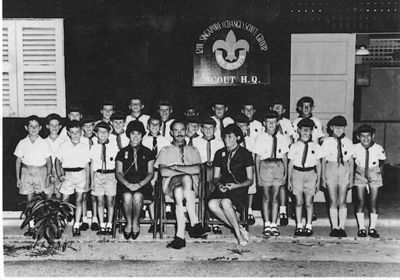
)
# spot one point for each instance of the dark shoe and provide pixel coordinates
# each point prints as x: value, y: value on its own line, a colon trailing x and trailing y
x: 308, y: 232
x: 216, y: 229
x: 314, y: 217
x: 84, y: 227
x: 102, y: 231
x: 209, y: 228
x: 342, y: 233
x: 299, y: 232
x: 151, y: 229
x: 362, y: 233
x: 283, y: 219
x: 95, y: 226
x: 30, y: 232
x: 177, y: 243
x: 250, y: 220
x: 135, y: 235
x: 197, y: 231
x: 373, y: 233
x: 334, y: 233
x: 109, y: 230
x: 76, y: 232
x: 127, y: 235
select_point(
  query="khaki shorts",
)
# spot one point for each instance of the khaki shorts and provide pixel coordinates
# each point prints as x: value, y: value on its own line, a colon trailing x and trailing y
x: 56, y: 186
x: 375, y: 178
x: 337, y: 175
x: 33, y: 180
x: 304, y: 182
x: 271, y: 173
x: 104, y: 184
x: 74, y: 182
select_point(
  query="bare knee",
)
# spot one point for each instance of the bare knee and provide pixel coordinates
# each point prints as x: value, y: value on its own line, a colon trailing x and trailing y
x: 137, y: 198
x: 213, y: 205
x: 111, y: 201
x: 100, y: 201
x: 226, y: 203
x: 187, y: 182
x: 79, y: 199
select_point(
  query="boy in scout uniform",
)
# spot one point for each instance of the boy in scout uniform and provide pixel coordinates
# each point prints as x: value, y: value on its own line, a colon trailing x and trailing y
x: 255, y: 126
x: 304, y: 173
x: 337, y: 172
x: 118, y: 132
x: 271, y: 150
x: 220, y: 108
x: 74, y: 113
x: 106, y: 111
x: 72, y: 165
x: 33, y: 164
x: 136, y: 106
x: 165, y: 110
x: 193, y: 133
x: 369, y: 159
x: 104, y: 183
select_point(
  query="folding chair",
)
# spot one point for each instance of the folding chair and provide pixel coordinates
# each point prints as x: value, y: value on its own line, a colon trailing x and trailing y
x: 119, y: 219
x: 163, y: 201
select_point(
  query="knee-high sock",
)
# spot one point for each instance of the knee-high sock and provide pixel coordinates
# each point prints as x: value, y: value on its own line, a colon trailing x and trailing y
x: 333, y: 213
x: 360, y: 219
x: 342, y: 217
x: 373, y: 217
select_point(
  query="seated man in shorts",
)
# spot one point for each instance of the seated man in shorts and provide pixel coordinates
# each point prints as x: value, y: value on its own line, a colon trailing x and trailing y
x: 179, y: 166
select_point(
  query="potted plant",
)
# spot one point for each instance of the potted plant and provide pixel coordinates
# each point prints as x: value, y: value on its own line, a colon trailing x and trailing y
x: 50, y: 216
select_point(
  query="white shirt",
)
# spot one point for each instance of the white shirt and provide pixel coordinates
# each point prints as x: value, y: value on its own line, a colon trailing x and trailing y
x: 142, y: 118
x: 330, y: 150
x: 73, y: 156
x: 376, y: 153
x: 317, y: 129
x: 226, y: 121
x: 201, y: 144
x: 167, y: 129
x: 34, y: 153
x: 96, y: 155
x: 256, y: 128
x: 287, y: 128
x: 124, y: 140
x: 54, y: 146
x: 161, y: 142
x: 264, y: 143
x: 250, y: 142
x: 86, y: 140
x: 63, y: 134
x: 313, y: 155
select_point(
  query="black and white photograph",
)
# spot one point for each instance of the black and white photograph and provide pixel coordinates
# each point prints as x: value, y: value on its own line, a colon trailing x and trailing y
x: 210, y: 138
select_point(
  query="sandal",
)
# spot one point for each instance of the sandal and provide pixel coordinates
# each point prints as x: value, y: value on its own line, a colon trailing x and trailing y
x: 216, y: 229
x: 250, y: 219
x: 362, y: 233
x: 274, y: 231
x: 245, y: 234
x: 373, y: 233
x: 267, y: 230
x: 308, y: 232
x: 299, y: 232
x: 102, y: 231
x: 109, y: 231
x: 283, y: 219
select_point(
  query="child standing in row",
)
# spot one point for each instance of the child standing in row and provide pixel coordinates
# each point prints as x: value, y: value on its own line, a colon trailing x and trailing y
x: 165, y: 110
x: 219, y: 108
x: 118, y: 132
x: 136, y: 106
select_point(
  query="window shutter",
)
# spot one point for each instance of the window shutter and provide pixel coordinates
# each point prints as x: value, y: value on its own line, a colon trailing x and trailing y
x: 10, y: 105
x: 40, y: 64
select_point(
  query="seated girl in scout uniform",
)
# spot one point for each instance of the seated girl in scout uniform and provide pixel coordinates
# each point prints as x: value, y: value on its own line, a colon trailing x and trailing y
x: 134, y: 170
x: 304, y: 174
x: 33, y: 164
x: 337, y: 172
x: 369, y: 158
x: 271, y: 150
x: 233, y: 174
x: 72, y: 165
x: 103, y: 183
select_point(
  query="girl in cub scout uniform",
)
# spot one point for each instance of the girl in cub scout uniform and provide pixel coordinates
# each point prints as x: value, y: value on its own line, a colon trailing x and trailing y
x: 337, y: 172
x: 369, y: 158
x: 304, y: 174
x: 271, y: 150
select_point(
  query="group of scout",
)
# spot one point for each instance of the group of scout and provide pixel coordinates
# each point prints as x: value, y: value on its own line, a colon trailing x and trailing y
x: 289, y: 156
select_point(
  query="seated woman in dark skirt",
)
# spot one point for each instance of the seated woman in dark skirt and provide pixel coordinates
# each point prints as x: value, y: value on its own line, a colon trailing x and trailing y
x: 134, y: 171
x: 233, y: 174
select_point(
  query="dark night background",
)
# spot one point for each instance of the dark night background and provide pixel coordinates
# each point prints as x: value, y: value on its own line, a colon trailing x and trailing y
x: 114, y: 49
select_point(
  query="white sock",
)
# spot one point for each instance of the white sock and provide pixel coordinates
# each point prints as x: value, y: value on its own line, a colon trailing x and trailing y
x: 342, y: 217
x: 31, y: 224
x: 76, y: 225
x: 94, y: 220
x: 109, y: 225
x: 373, y: 217
x: 309, y: 226
x: 333, y: 213
x: 168, y: 208
x: 273, y: 224
x: 250, y: 211
x: 84, y: 219
x: 282, y: 209
x: 103, y: 225
x: 299, y: 225
x: 360, y: 219
x: 267, y: 224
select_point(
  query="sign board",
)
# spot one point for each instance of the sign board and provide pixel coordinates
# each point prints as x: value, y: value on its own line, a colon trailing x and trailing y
x: 231, y: 53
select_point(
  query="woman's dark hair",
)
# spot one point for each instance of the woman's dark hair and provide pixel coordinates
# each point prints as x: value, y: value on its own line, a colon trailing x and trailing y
x: 233, y: 128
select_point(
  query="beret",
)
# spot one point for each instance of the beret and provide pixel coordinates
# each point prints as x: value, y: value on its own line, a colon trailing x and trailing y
x: 117, y: 116
x: 306, y: 123
x: 365, y: 128
x: 210, y: 121
x: 271, y: 115
x: 192, y: 119
x: 338, y: 121
x: 305, y: 99
x: 87, y: 119
x: 102, y: 125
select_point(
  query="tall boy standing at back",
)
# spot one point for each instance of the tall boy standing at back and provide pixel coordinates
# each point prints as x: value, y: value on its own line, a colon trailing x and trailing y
x: 74, y: 113
x: 33, y: 164
x: 107, y: 109
x: 136, y: 106
x: 118, y: 134
x: 220, y: 108
x: 255, y: 126
x: 165, y: 110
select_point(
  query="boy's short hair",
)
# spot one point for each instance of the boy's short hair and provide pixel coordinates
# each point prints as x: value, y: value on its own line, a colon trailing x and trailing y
x: 338, y: 121
x: 233, y: 128
x: 306, y: 123
x: 32, y: 118
x: 192, y: 120
x: 107, y: 103
x: 365, y: 128
x: 136, y: 97
x: 271, y: 115
x: 74, y: 108
x: 102, y: 125
x: 175, y: 122
x: 305, y: 99
x: 164, y: 102
x: 242, y: 118
x: 74, y: 124
x: 53, y: 116
x: 154, y: 118
x: 219, y: 101
x: 135, y: 126
x: 118, y: 115
x: 209, y: 121
x: 248, y: 102
x: 278, y: 102
x: 87, y: 119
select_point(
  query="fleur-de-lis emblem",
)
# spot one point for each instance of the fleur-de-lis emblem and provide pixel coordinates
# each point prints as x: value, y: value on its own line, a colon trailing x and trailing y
x: 230, y: 45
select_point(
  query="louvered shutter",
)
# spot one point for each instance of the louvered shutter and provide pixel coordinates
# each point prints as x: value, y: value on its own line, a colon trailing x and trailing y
x: 40, y: 67
x: 9, y: 90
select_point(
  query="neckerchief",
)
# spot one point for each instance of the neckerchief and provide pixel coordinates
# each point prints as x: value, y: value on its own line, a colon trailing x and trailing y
x: 366, y: 170
x: 305, y: 151
x: 155, y: 145
x: 339, y: 149
x: 103, y: 154
x: 228, y: 163
x: 135, y: 157
x: 191, y: 139
x: 274, y: 144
